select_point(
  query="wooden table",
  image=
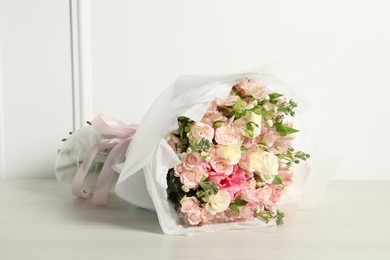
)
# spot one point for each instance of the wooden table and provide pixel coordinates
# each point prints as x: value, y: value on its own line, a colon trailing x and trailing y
x: 39, y: 219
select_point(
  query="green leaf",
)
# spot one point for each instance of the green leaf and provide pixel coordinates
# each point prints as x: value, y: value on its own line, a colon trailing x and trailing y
x: 239, y: 114
x: 274, y: 95
x: 256, y: 110
x: 279, y: 217
x: 234, y: 207
x: 181, y: 131
x: 240, y: 202
x: 284, y: 130
x: 277, y: 180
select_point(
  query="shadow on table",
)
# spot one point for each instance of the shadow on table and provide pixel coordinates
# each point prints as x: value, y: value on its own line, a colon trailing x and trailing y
x: 117, y: 212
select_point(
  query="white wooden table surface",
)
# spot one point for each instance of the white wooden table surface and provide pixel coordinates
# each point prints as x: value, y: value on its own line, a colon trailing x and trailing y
x: 39, y: 219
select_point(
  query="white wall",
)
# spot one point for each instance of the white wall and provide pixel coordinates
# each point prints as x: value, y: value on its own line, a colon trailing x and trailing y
x: 36, y: 85
x: 336, y: 54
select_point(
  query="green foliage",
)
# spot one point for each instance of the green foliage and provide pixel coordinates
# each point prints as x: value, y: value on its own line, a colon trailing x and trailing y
x: 273, y: 97
x: 174, y: 190
x: 202, y: 145
x: 240, y: 202
x: 250, y: 128
x: 207, y: 189
x: 288, y: 107
x: 279, y: 217
x: 277, y: 180
x: 267, y: 216
x: 239, y: 108
x: 237, y: 202
x: 292, y: 156
x: 234, y: 208
x: 184, y: 126
x: 256, y: 110
x: 284, y: 130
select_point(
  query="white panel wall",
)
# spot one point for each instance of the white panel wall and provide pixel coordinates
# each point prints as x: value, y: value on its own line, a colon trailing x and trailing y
x: 36, y: 85
x: 336, y: 54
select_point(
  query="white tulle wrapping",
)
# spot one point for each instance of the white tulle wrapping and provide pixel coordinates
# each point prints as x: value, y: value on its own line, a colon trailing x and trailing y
x: 149, y: 157
x: 73, y: 153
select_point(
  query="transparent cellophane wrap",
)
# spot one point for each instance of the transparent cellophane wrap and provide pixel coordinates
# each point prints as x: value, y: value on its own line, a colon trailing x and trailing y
x: 142, y: 179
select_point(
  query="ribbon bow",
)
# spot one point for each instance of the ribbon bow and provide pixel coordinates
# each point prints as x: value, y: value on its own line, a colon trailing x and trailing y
x: 118, y: 137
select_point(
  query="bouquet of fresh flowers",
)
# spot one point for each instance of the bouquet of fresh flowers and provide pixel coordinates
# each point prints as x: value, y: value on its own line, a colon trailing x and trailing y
x: 212, y: 153
x: 236, y: 162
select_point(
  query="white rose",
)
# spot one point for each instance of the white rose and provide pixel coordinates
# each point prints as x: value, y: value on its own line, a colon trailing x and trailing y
x: 254, y: 118
x: 229, y: 153
x: 264, y: 164
x: 218, y: 202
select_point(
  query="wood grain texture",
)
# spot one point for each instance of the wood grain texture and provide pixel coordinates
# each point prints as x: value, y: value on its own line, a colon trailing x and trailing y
x: 39, y: 219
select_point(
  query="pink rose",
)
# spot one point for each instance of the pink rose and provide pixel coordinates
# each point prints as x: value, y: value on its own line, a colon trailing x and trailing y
x: 226, y: 134
x: 191, y: 160
x: 202, y: 130
x: 191, y: 178
x: 179, y: 169
x: 221, y: 167
x: 207, y: 217
x: 194, y: 218
x: 189, y: 204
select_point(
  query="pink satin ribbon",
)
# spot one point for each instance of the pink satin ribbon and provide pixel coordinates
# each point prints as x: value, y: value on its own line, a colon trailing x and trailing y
x: 119, y: 140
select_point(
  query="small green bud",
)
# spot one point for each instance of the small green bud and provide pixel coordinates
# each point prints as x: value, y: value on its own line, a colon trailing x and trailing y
x: 218, y: 124
x: 185, y: 188
x: 266, y: 98
x: 200, y: 194
x: 269, y: 122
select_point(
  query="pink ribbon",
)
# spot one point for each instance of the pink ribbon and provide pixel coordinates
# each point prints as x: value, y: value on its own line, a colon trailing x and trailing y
x: 119, y: 138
